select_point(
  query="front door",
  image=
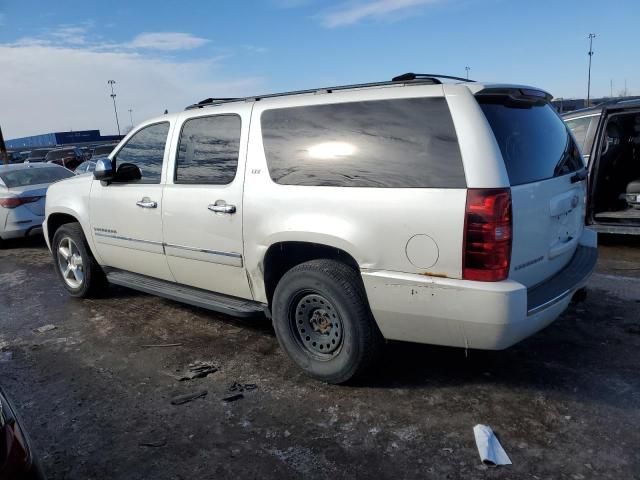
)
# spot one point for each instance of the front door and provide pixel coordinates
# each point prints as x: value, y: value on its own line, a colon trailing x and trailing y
x: 202, y: 203
x: 126, y: 215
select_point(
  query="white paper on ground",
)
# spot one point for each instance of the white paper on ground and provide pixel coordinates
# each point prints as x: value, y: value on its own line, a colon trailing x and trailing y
x: 489, y: 448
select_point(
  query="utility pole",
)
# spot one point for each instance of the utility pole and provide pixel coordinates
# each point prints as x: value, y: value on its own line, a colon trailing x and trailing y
x: 3, y: 150
x: 131, y: 116
x: 611, y: 88
x: 591, y: 37
x: 467, y: 68
x: 113, y: 97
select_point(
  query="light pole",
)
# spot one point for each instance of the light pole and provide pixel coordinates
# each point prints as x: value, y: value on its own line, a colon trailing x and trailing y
x: 113, y: 97
x: 467, y: 69
x: 591, y: 37
x: 131, y: 116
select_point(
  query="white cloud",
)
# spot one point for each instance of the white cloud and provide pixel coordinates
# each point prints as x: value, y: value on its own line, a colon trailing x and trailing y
x: 46, y: 88
x: 355, y: 11
x: 70, y: 34
x: 168, y: 41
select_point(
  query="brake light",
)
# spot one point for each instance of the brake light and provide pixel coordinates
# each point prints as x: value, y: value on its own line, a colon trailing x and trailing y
x: 487, y: 235
x: 13, y: 202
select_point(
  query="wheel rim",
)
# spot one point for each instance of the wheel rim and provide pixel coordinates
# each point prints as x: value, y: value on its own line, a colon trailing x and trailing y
x: 317, y: 325
x: 70, y: 263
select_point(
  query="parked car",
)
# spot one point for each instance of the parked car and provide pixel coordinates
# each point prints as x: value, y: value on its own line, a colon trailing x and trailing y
x: 412, y: 210
x: 85, y: 167
x: 609, y: 136
x: 37, y: 155
x: 68, y: 157
x: 17, y: 458
x: 23, y: 188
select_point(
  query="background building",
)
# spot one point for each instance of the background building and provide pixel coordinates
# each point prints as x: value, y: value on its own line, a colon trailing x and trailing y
x: 60, y: 138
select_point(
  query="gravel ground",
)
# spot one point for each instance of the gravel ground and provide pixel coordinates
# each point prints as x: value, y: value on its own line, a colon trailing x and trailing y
x: 97, y: 401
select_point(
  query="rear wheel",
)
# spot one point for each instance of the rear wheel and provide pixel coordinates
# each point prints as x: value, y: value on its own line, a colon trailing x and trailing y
x: 74, y: 264
x: 322, y: 320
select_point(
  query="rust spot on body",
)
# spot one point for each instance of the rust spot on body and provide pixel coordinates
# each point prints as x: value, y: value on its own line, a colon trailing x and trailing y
x: 435, y: 274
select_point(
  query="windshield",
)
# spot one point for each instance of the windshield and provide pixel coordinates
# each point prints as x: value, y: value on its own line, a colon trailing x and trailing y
x: 534, y: 141
x: 34, y: 176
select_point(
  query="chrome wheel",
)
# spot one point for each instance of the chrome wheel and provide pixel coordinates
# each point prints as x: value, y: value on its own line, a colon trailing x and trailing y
x: 70, y: 263
x: 318, y: 326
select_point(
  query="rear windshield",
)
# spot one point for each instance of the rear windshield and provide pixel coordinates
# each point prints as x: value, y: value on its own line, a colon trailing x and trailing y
x: 534, y: 141
x: 38, y: 153
x: 60, y: 154
x: 34, y: 176
x: 106, y: 150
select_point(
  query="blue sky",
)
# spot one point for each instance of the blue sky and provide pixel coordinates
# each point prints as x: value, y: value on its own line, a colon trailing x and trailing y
x: 58, y: 55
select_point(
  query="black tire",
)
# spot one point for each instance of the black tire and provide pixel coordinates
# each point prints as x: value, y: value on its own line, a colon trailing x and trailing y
x: 93, y: 279
x: 328, y: 298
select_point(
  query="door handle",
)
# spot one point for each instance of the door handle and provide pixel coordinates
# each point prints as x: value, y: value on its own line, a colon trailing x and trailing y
x: 221, y: 207
x: 146, y: 203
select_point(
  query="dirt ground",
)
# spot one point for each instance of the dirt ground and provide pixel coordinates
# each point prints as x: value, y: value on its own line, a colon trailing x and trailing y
x: 97, y: 402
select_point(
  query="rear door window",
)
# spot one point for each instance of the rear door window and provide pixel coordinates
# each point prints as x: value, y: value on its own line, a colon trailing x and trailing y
x: 534, y: 141
x: 208, y: 150
x: 580, y: 127
x: 399, y: 143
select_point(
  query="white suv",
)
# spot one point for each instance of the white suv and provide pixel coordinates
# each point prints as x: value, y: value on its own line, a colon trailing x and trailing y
x: 415, y: 210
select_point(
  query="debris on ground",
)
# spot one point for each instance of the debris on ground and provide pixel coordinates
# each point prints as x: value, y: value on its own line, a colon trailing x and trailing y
x: 198, y: 369
x: 162, y: 345
x: 233, y: 398
x: 159, y: 443
x: 491, y: 452
x: 4, y: 345
x: 242, y: 387
x: 6, y: 356
x: 189, y: 397
x: 45, y: 328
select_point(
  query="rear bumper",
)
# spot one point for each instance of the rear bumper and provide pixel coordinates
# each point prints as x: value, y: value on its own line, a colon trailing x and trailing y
x: 462, y: 313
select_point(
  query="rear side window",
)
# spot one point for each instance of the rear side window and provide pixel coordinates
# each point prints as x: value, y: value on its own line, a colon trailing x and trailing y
x: 208, y: 150
x: 396, y: 143
x: 534, y: 141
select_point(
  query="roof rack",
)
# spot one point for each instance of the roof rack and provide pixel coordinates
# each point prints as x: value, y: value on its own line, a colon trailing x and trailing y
x: 409, y: 77
x: 424, y: 78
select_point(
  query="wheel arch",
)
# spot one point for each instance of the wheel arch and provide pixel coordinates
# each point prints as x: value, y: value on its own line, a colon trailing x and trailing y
x: 282, y: 256
x: 59, y: 218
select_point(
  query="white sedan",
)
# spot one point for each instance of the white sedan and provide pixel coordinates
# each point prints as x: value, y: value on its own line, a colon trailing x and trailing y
x: 23, y: 188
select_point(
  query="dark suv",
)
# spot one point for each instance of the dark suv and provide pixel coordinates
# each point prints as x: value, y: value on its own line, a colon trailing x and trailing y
x: 69, y: 157
x: 609, y: 136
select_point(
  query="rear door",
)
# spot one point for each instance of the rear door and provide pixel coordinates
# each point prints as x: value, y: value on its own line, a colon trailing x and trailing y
x: 202, y: 205
x: 548, y: 185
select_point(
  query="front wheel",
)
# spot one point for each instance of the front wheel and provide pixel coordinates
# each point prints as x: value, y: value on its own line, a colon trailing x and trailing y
x: 73, y: 262
x: 323, y: 322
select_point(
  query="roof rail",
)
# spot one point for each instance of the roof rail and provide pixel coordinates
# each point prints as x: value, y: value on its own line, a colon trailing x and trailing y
x: 408, y: 77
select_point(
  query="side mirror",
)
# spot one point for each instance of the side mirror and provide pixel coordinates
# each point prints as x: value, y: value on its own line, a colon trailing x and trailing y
x: 104, y: 170
x: 128, y: 172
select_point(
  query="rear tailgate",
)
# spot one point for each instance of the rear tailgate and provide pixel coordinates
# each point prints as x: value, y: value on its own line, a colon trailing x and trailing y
x: 547, y: 177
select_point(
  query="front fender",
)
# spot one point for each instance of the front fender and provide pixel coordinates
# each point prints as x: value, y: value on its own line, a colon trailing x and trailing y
x: 71, y: 197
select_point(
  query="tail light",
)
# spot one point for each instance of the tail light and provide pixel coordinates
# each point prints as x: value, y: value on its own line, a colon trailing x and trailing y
x: 13, y: 202
x: 487, y: 235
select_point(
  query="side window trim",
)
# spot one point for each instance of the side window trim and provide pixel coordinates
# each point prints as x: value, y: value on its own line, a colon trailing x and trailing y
x: 116, y: 151
x: 174, y: 176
